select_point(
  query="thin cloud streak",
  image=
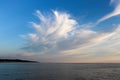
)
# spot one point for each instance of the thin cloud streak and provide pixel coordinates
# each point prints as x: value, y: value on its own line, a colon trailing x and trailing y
x: 115, y: 12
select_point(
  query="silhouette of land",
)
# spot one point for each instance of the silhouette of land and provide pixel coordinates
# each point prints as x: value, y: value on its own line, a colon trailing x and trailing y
x: 15, y: 60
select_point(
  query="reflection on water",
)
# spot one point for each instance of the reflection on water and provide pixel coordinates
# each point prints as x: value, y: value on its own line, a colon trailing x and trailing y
x: 47, y: 71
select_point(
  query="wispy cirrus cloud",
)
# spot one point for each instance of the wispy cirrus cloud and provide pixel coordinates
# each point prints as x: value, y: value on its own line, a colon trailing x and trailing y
x: 115, y: 12
x: 58, y: 38
x: 58, y: 31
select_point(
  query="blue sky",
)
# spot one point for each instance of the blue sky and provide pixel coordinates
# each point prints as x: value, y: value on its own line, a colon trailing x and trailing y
x: 61, y: 30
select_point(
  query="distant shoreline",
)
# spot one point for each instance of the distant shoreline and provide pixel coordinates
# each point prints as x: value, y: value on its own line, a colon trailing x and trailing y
x: 14, y: 60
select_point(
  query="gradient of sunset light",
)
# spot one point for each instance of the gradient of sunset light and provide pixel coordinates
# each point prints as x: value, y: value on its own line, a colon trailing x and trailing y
x: 59, y: 37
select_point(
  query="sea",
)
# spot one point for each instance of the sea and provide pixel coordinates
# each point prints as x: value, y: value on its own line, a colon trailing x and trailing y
x: 59, y: 71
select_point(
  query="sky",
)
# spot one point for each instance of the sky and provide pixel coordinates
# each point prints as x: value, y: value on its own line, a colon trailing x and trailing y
x: 67, y: 31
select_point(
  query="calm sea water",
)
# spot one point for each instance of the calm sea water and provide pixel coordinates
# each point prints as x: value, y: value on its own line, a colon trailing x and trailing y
x: 47, y: 71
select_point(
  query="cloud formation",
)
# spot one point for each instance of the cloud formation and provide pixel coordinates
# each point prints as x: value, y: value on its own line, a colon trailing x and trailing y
x: 58, y: 31
x: 58, y: 37
x: 115, y: 12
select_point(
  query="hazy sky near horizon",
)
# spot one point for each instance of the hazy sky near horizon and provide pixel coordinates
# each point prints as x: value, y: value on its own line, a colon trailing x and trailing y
x: 61, y: 30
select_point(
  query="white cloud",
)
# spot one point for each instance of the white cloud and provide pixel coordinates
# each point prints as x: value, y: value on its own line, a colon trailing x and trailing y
x: 115, y: 12
x: 59, y: 37
x: 58, y: 31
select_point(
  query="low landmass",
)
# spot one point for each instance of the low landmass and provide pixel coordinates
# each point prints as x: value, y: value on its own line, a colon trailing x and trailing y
x: 15, y: 60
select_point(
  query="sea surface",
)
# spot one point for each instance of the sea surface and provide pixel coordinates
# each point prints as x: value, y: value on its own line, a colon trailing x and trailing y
x: 59, y: 71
